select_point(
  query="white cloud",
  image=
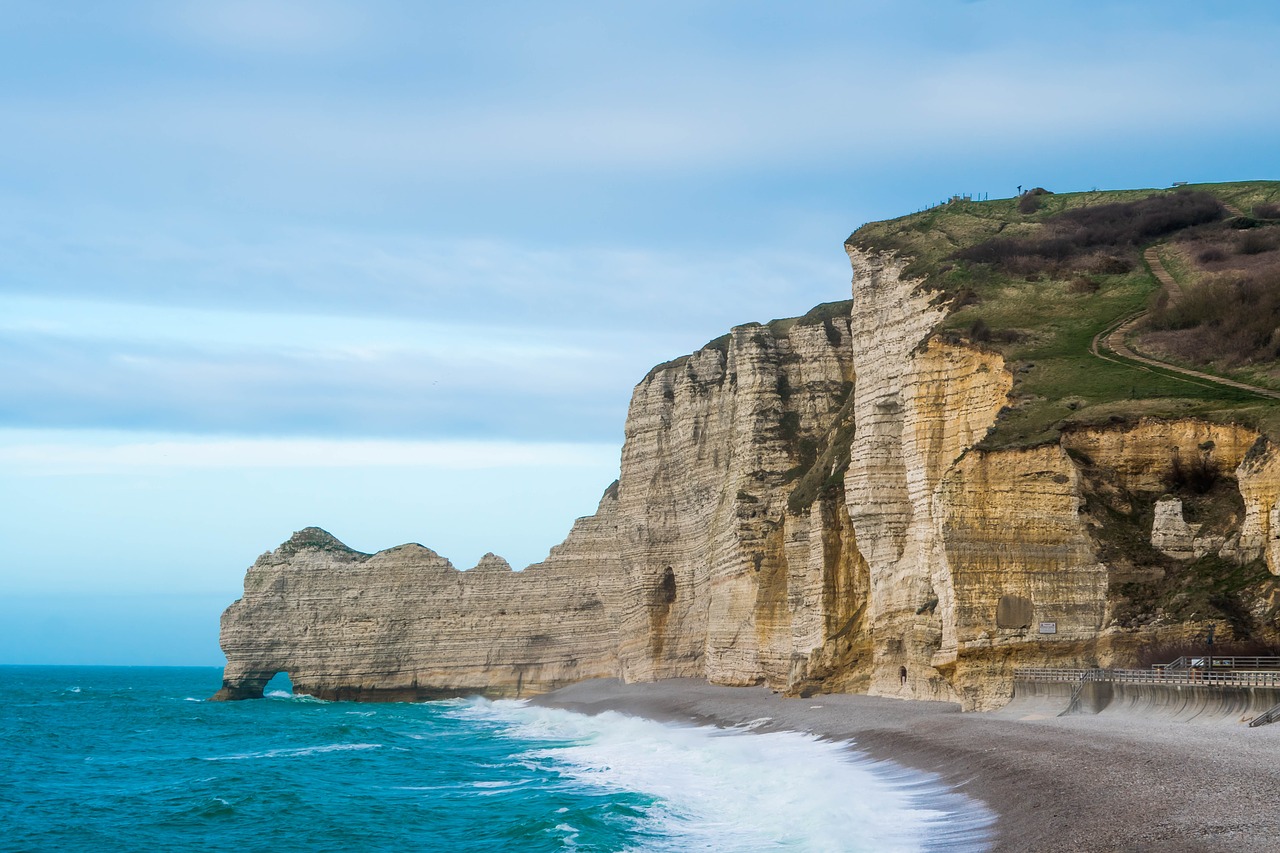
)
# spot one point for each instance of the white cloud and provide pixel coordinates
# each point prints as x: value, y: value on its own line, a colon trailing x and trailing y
x: 318, y: 335
x: 45, y: 453
x: 472, y: 297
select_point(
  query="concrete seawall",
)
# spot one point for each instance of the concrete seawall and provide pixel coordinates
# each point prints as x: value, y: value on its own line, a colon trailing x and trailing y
x: 1166, y: 702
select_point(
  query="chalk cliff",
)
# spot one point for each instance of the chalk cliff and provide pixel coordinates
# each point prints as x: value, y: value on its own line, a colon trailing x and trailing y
x: 806, y: 504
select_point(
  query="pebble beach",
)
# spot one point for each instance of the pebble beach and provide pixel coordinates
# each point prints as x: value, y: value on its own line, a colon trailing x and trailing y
x: 1075, y: 783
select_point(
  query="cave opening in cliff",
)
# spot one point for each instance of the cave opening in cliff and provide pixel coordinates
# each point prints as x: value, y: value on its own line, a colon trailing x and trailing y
x: 279, y: 686
x: 667, y: 594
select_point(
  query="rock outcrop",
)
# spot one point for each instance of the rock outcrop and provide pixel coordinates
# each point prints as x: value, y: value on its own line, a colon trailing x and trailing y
x: 404, y: 624
x: 805, y: 504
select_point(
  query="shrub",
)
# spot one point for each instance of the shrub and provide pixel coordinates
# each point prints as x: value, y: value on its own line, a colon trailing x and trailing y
x: 1211, y: 255
x: 967, y: 296
x: 1110, y: 265
x: 1028, y: 203
x: 1083, y: 284
x: 1257, y: 242
x: 1232, y: 318
x: 1135, y: 222
x: 1266, y: 210
x: 1084, y: 231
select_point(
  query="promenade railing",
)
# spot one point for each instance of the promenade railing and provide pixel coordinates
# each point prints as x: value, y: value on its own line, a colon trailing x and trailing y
x: 1208, y: 661
x: 1222, y: 678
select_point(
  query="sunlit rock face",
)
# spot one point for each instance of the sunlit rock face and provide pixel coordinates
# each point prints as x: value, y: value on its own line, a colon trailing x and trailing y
x: 694, y: 564
x: 805, y: 504
x: 404, y: 624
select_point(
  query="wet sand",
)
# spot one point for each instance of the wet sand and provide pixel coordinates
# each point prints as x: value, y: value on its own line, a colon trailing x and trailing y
x: 1079, y: 783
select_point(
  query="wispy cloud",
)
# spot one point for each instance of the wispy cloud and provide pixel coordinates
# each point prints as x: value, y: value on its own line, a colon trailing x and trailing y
x: 51, y: 453
x: 511, y: 289
x: 722, y: 110
x: 332, y: 388
x: 317, y: 334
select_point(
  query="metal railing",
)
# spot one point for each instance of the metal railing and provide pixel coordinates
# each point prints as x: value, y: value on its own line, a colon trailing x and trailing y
x: 1265, y: 719
x: 1207, y: 661
x: 1051, y: 674
x: 1217, y: 678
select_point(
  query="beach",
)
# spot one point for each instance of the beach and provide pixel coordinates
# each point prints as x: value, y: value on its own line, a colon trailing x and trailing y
x: 1077, y: 783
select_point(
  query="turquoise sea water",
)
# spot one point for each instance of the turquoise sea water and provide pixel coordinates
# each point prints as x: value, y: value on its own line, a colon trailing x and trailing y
x: 117, y: 759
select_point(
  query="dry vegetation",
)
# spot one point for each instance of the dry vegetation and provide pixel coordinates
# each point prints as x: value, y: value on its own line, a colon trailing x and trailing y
x: 1036, y: 277
x: 1229, y: 315
x: 1097, y: 239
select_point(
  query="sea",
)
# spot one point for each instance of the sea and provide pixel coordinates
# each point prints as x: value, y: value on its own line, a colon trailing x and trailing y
x: 136, y: 759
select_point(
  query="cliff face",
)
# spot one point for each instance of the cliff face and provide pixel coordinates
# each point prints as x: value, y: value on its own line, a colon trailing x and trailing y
x: 804, y: 504
x: 404, y: 624
x: 726, y: 581
x: 693, y: 565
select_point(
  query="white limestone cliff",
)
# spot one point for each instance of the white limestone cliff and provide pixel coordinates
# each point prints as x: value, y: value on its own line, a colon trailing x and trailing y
x: 806, y: 504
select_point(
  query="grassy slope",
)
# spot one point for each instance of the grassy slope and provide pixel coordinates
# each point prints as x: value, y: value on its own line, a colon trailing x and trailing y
x: 1044, y: 329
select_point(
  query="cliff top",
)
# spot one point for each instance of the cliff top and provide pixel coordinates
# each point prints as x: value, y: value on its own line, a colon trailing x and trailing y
x: 1039, y: 276
x: 316, y: 538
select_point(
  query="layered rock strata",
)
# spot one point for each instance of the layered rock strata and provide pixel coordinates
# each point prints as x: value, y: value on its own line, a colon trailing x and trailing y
x: 805, y: 504
x: 404, y: 624
x: 697, y: 563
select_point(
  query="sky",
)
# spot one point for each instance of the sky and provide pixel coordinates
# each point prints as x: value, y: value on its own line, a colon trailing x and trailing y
x: 393, y: 268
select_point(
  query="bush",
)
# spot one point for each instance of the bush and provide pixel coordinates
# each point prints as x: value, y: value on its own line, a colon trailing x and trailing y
x: 1230, y: 318
x: 1257, y: 242
x: 965, y: 297
x: 1110, y: 265
x: 1266, y: 210
x: 1028, y: 203
x: 1083, y: 285
x: 1136, y: 222
x: 1211, y: 255
x: 1087, y: 230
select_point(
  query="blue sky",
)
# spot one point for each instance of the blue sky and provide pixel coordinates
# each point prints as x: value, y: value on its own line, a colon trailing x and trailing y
x: 392, y: 268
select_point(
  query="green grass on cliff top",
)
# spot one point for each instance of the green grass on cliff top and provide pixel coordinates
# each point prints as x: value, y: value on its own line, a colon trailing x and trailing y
x: 1044, y: 327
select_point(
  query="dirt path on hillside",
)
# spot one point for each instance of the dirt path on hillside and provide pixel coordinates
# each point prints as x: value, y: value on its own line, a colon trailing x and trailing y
x: 1113, y: 337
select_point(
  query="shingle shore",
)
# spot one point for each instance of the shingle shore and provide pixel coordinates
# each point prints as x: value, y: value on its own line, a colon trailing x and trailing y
x: 1080, y: 783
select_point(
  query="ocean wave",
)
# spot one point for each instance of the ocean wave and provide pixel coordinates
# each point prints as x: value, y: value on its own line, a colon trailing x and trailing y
x: 742, y: 790
x: 291, y: 697
x: 297, y: 752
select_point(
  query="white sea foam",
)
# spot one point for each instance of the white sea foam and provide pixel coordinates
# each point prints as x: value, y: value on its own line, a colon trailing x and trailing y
x: 500, y: 784
x: 296, y: 752
x: 732, y: 790
x: 294, y: 697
